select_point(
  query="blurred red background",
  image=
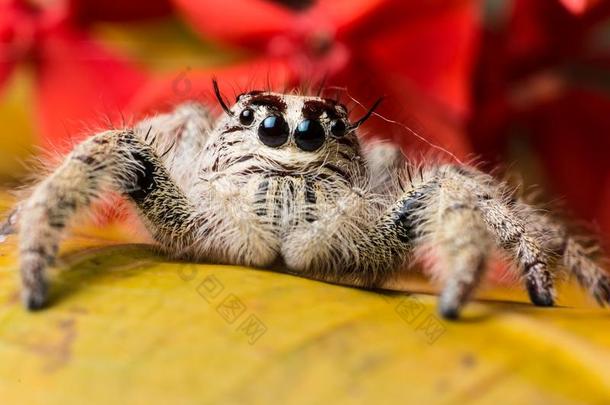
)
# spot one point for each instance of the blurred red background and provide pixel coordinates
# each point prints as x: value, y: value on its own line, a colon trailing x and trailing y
x: 516, y: 83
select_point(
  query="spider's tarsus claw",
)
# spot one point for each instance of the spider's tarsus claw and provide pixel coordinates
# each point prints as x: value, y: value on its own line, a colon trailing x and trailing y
x: 448, y: 308
x: 5, y: 230
x: 540, y: 297
x: 7, y: 225
x: 33, y: 305
x: 449, y: 313
x: 542, y: 300
x: 35, y: 286
x: 540, y: 286
x: 600, y: 301
x: 601, y: 291
x: 35, y: 299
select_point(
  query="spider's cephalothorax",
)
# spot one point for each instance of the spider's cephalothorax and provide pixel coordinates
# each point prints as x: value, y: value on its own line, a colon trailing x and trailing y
x: 285, y: 178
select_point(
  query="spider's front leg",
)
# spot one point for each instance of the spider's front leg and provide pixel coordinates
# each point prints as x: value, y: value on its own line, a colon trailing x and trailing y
x: 177, y: 138
x: 443, y: 221
x: 487, y: 209
x: 112, y: 160
x: 457, y: 221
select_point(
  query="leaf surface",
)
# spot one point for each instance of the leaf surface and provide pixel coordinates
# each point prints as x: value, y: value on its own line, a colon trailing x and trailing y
x: 126, y: 323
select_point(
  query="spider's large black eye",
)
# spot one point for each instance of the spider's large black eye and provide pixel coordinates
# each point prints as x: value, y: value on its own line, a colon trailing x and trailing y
x: 246, y: 116
x: 273, y: 131
x: 309, y: 135
x: 338, y: 128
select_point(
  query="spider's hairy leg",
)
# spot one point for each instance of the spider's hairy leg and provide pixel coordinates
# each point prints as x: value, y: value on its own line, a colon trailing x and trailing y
x: 116, y: 160
x: 512, y: 234
x: 449, y: 210
x: 383, y: 160
x: 571, y: 253
x: 177, y: 138
x: 8, y: 226
x: 588, y: 273
x: 459, y: 218
x: 454, y: 228
x: 511, y: 231
x: 531, y: 237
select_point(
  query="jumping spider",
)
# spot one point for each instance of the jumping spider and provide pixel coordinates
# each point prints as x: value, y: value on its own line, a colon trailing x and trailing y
x: 284, y: 178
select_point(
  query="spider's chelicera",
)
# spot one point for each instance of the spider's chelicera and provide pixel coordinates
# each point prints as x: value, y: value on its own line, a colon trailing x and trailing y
x: 282, y: 177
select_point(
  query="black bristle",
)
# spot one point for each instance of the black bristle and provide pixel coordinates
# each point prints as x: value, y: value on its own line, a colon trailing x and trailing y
x: 219, y: 97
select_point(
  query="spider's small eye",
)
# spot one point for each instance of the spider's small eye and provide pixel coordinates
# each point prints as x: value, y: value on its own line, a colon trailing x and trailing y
x: 309, y: 135
x: 338, y: 128
x: 246, y: 116
x: 273, y: 131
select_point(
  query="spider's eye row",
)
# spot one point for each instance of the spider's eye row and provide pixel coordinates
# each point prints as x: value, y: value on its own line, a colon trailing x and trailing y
x: 338, y: 128
x: 246, y: 116
x: 309, y: 135
x: 273, y: 131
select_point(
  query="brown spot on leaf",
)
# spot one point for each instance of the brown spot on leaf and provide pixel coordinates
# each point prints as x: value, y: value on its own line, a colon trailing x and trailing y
x: 468, y: 360
x: 13, y: 298
x: 57, y: 353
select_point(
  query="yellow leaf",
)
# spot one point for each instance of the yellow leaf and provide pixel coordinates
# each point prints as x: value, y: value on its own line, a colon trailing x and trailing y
x: 127, y: 325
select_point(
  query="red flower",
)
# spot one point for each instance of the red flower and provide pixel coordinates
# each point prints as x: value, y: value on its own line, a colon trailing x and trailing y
x: 542, y: 80
x: 419, y: 55
x: 579, y: 6
x: 77, y: 80
x: 87, y: 11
